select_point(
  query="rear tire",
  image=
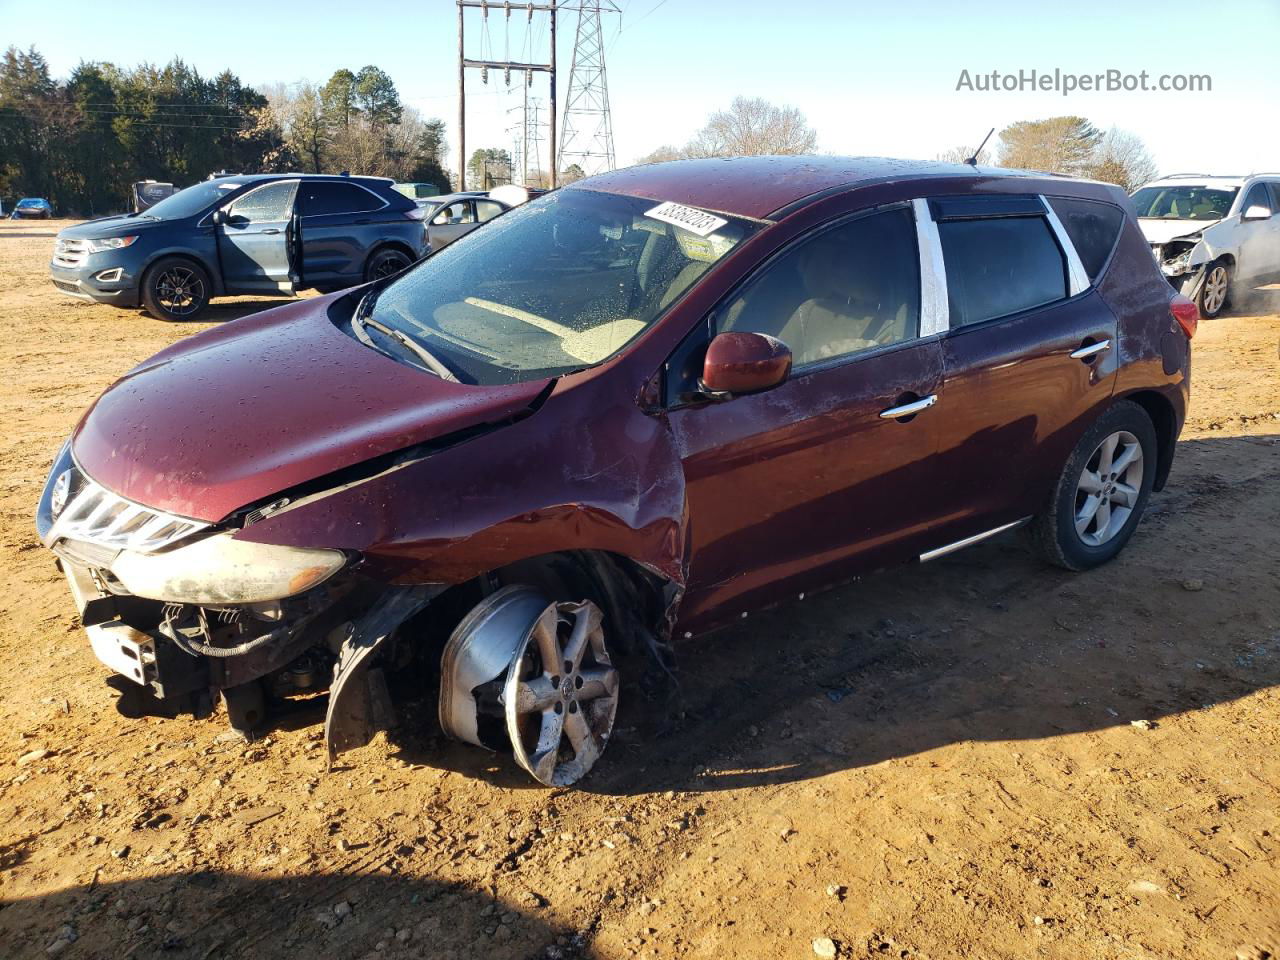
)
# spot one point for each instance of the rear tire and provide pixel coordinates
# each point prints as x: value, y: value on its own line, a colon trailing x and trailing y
x: 1101, y: 493
x: 385, y: 263
x: 176, y: 289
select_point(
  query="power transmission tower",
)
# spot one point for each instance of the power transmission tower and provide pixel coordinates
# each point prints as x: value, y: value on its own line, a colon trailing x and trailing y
x: 587, y: 136
x: 506, y: 66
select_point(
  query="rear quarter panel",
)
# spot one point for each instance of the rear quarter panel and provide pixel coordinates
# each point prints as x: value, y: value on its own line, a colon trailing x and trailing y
x: 1154, y: 354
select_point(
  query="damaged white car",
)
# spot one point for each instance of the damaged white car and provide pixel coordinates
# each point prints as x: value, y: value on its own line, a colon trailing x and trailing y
x: 1213, y: 236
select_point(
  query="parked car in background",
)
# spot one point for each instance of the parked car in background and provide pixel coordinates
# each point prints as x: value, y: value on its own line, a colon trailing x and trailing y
x: 635, y: 409
x: 1213, y: 236
x: 266, y: 235
x: 418, y: 191
x: 457, y: 214
x: 32, y: 208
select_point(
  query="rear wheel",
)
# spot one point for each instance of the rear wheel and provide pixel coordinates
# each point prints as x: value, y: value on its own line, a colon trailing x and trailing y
x: 1101, y: 492
x: 385, y: 263
x: 175, y: 289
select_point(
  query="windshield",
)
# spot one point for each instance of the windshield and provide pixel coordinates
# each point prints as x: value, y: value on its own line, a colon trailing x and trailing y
x: 31, y: 202
x: 189, y: 202
x: 553, y: 286
x: 1184, y: 203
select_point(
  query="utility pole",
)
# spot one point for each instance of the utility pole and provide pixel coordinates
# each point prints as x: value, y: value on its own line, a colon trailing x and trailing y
x: 506, y: 66
x: 587, y: 137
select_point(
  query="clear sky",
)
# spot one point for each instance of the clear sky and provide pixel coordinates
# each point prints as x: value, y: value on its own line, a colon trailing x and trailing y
x: 871, y: 78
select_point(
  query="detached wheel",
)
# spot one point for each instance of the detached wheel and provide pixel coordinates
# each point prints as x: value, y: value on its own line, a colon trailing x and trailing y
x: 1102, y: 491
x: 1213, y: 295
x: 175, y: 289
x: 385, y: 263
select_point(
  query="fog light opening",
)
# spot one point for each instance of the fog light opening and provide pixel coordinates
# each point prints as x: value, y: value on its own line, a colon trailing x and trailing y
x: 109, y: 276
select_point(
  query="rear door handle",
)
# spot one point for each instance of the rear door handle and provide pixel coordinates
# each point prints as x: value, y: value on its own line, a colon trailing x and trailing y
x: 1091, y: 350
x: 909, y: 409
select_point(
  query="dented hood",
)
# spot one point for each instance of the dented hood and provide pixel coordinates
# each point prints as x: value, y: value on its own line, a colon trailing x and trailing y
x: 1162, y: 231
x: 234, y: 415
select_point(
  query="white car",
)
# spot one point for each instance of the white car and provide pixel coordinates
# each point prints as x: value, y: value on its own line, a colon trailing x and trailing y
x: 1213, y: 235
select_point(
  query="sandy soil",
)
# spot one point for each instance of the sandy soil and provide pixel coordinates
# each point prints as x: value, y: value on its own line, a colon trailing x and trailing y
x: 982, y: 757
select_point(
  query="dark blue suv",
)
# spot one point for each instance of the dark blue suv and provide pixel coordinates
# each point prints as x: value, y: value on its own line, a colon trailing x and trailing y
x: 263, y: 235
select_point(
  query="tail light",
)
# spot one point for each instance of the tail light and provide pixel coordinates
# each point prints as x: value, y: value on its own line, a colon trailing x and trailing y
x: 1186, y: 313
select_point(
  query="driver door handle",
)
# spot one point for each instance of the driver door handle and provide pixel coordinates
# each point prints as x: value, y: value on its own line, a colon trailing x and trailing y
x: 271, y: 230
x: 909, y: 409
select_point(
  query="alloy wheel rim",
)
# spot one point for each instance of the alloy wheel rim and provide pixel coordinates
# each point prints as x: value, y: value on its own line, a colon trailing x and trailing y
x: 561, y: 694
x: 387, y: 266
x: 179, y: 291
x: 1108, y: 489
x: 1215, y: 289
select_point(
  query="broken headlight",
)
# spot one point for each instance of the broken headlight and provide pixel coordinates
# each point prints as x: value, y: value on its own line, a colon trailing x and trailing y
x: 220, y: 569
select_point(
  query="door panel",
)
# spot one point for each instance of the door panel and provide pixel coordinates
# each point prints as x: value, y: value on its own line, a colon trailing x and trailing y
x: 455, y: 220
x: 1259, y: 240
x: 336, y: 236
x: 1012, y: 406
x: 253, y: 243
x: 807, y: 484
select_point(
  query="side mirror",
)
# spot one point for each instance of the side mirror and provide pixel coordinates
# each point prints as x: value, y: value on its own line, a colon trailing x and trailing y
x: 219, y: 218
x: 1256, y: 212
x: 738, y: 363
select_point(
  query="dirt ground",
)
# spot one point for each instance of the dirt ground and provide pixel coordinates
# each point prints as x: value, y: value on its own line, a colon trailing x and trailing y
x: 979, y: 758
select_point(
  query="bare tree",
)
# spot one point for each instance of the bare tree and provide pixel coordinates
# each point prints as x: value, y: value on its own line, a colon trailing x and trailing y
x: 1058, y: 144
x: 752, y: 126
x: 961, y: 154
x: 662, y: 155
x: 1122, y: 158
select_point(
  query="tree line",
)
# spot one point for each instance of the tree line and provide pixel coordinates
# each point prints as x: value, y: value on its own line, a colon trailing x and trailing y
x: 83, y: 141
x: 753, y: 126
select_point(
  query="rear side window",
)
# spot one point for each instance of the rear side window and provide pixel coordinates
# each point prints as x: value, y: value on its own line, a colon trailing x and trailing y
x: 1000, y: 265
x: 324, y: 198
x: 486, y: 210
x: 1093, y: 227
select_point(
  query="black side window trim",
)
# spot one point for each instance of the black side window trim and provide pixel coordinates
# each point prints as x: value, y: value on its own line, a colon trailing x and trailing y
x: 1115, y: 244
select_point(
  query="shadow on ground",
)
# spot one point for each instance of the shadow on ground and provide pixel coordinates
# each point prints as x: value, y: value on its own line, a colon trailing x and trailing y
x: 365, y: 909
x: 987, y: 644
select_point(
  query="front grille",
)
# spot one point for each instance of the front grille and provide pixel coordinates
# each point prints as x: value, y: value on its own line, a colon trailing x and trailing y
x: 98, y: 516
x: 69, y: 253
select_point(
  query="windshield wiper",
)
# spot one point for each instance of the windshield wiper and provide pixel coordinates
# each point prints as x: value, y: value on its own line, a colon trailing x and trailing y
x: 361, y: 319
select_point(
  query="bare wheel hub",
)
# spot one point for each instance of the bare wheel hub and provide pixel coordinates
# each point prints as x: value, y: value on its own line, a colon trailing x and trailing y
x: 561, y: 694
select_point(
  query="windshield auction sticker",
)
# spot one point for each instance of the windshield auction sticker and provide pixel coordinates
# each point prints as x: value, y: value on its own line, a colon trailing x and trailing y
x: 695, y: 221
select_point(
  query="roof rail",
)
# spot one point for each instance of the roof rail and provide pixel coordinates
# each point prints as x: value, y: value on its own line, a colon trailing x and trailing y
x: 1174, y: 176
x: 1265, y: 173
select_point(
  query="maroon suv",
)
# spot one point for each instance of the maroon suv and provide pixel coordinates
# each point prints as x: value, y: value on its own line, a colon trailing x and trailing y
x: 632, y: 410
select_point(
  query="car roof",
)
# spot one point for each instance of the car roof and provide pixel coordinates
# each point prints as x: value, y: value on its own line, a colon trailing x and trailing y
x: 259, y: 177
x: 1198, y: 180
x: 759, y: 186
x: 464, y: 195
